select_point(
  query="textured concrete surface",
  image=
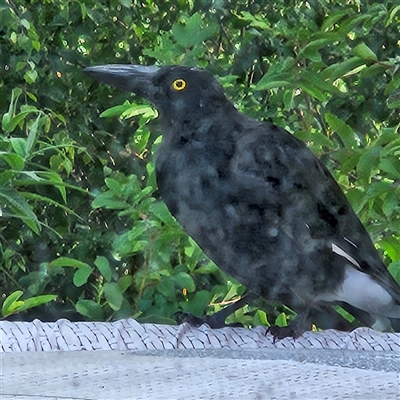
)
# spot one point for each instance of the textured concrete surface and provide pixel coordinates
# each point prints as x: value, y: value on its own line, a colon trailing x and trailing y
x: 128, y: 334
x: 201, y: 374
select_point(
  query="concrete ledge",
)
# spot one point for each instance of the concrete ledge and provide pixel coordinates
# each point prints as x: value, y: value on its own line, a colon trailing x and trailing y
x: 201, y: 374
x: 128, y: 334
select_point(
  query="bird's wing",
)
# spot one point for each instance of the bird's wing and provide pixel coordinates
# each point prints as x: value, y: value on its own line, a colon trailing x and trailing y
x: 286, y: 171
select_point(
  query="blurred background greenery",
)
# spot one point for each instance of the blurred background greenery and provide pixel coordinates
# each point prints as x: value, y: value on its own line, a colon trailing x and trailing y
x: 83, y: 233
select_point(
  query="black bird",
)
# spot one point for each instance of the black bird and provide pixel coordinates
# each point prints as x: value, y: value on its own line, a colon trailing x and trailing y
x: 257, y: 201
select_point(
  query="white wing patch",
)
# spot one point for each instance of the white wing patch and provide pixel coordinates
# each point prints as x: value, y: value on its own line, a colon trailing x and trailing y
x: 361, y: 290
x: 336, y: 249
x: 349, y: 241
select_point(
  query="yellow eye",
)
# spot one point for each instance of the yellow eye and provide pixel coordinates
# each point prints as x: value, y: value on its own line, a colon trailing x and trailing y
x: 179, y: 84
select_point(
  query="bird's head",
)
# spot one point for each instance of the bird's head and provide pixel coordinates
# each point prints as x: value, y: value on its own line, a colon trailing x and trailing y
x: 175, y: 91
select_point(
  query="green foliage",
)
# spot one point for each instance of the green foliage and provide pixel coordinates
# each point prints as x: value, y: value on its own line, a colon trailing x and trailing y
x: 80, y: 214
x: 12, y: 304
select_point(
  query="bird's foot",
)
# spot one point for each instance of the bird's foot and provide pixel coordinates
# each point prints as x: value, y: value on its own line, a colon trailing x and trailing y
x: 191, y: 319
x: 295, y: 329
x: 216, y: 320
x: 282, y: 332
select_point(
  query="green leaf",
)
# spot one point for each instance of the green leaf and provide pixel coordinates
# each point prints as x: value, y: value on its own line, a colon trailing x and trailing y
x: 34, y: 179
x: 257, y: 22
x: 5, y: 122
x: 364, y: 52
x: 315, y: 79
x: 140, y: 109
x: 116, y: 110
x: 15, y: 121
x: 37, y: 301
x: 260, y: 318
x: 391, y: 166
x: 331, y: 20
x: 5, y: 177
x: 166, y: 49
x: 342, y: 129
x: 281, y: 320
x: 344, y: 313
x: 198, y: 304
x: 19, y: 146
x: 109, y: 201
x: 9, y: 116
x: 357, y: 199
x: 376, y: 189
x: 32, y: 135
x: 113, y: 295
x: 114, y: 185
x: 191, y: 248
x: 207, y: 269
x: 160, y: 210
x: 104, y: 267
x: 167, y: 288
x: 25, y: 23
x: 31, y: 96
x: 81, y: 275
x: 278, y: 75
x: 90, y: 309
x: 288, y: 96
x: 311, y: 50
x: 313, y: 90
x: 369, y: 161
x: 22, y: 209
x: 184, y: 281
x: 15, y: 161
x: 31, y: 76
x: 125, y: 282
x: 11, y: 303
x: 271, y: 82
x: 59, y: 162
x: 68, y: 262
x: 391, y: 203
x: 130, y: 242
x: 391, y: 245
x: 392, y: 15
x: 190, y: 31
x: 341, y: 69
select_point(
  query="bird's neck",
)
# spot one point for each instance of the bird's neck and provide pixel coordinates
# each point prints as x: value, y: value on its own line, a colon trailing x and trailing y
x: 204, y: 124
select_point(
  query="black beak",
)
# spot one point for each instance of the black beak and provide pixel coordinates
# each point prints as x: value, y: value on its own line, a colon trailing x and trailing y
x: 132, y: 78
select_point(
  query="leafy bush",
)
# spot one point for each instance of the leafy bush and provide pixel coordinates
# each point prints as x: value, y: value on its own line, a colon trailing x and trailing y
x: 81, y: 216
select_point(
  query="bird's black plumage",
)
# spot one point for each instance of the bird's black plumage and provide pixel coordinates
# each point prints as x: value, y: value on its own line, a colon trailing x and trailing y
x: 256, y: 200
